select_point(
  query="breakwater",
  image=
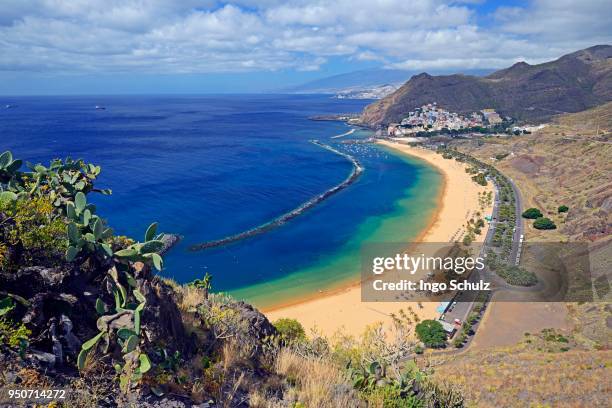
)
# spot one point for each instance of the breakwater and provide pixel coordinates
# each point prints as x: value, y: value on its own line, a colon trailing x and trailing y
x: 282, y: 219
x: 350, y: 132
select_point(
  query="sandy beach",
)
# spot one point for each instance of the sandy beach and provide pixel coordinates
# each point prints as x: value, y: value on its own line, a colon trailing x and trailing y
x: 343, y: 310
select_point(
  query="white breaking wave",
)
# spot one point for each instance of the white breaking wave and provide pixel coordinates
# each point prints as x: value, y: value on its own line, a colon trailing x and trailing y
x: 350, y: 132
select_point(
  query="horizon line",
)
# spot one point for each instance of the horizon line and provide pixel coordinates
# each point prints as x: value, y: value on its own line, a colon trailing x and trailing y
x: 169, y: 94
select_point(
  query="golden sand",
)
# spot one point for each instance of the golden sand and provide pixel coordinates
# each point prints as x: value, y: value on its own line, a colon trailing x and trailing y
x: 343, y: 310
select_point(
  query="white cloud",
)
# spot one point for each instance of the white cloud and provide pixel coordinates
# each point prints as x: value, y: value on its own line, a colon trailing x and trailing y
x: 168, y: 36
x: 558, y: 20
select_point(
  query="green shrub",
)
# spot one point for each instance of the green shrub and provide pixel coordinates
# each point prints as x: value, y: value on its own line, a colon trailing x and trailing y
x: 4, y: 254
x: 501, y: 156
x: 472, y: 318
x: 6, y: 305
x: 205, y: 283
x: 532, y: 213
x: 517, y: 276
x: 543, y: 223
x: 431, y: 333
x: 563, y: 209
x: 390, y: 396
x: 466, y: 327
x: 480, y: 179
x: 13, y: 334
x: 553, y: 336
x: 47, y: 221
x: 290, y: 330
x: 34, y: 227
x: 459, y: 340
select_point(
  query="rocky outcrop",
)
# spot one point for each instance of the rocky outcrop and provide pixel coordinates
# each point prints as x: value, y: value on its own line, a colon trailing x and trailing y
x: 162, y: 317
x: 169, y: 240
x: 58, y: 305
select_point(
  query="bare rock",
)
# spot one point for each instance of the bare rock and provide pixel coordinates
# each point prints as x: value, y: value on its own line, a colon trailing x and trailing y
x: 162, y: 319
x: 169, y: 240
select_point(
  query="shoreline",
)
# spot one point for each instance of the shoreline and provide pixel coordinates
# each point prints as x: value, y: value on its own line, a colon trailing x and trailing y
x: 355, y: 283
x: 342, y: 308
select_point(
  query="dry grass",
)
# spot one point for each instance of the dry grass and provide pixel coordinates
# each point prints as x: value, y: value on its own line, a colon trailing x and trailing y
x: 88, y: 392
x: 258, y: 399
x: 93, y: 363
x: 567, y: 163
x: 593, y: 121
x: 231, y: 356
x: 507, y: 378
x: 82, y: 392
x: 317, y: 383
x: 547, y: 369
x: 172, y: 283
x: 592, y: 324
x: 190, y: 298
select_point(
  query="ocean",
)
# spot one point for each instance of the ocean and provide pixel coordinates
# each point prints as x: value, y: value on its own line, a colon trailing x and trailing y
x: 207, y: 167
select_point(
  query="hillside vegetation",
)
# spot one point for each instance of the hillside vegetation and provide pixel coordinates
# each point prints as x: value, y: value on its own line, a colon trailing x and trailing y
x: 82, y: 309
x: 546, y: 369
x: 572, y: 83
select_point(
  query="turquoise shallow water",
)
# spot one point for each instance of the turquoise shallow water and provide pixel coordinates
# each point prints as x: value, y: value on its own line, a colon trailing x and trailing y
x: 406, y: 219
x: 206, y: 167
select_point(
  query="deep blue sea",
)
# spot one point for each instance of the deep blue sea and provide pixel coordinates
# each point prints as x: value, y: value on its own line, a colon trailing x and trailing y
x: 206, y: 167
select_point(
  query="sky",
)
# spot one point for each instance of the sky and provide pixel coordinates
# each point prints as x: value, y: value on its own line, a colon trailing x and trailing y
x: 206, y: 46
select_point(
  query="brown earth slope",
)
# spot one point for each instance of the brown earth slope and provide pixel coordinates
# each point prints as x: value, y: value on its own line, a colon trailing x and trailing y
x: 569, y: 162
x: 572, y: 83
x: 547, y: 368
x: 565, y: 360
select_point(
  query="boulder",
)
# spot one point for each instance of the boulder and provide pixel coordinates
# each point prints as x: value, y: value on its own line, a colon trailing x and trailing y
x: 169, y: 240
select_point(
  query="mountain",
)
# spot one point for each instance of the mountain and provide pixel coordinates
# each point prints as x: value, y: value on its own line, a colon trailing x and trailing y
x: 572, y: 83
x: 374, y: 92
x: 361, y: 80
x: 366, y: 78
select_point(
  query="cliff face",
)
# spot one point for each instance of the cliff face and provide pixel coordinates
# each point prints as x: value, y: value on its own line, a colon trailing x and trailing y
x: 572, y: 83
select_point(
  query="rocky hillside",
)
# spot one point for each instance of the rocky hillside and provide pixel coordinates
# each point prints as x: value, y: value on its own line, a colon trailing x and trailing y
x: 572, y: 83
x: 565, y: 163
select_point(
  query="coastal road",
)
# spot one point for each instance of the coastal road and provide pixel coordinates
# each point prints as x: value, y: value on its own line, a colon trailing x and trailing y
x: 463, y: 302
x: 519, y: 228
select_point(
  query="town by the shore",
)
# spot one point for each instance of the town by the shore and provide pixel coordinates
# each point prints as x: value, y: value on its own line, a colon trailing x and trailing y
x: 343, y: 310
